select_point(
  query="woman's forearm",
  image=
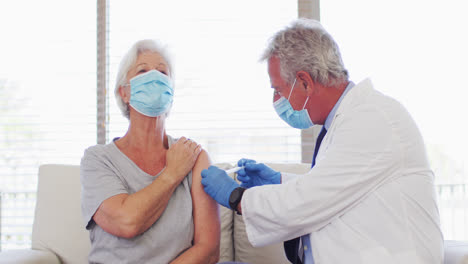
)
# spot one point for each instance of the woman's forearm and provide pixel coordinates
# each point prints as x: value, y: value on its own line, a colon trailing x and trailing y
x: 199, y: 253
x: 140, y: 210
x: 130, y: 215
x: 148, y: 204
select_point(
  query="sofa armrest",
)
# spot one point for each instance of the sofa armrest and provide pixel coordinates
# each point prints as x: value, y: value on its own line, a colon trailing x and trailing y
x: 28, y: 256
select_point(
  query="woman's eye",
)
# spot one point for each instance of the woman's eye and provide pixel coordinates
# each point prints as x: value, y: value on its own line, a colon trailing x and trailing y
x: 142, y: 71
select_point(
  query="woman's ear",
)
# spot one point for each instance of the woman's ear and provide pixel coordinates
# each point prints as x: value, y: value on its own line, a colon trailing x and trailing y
x: 307, y: 82
x: 124, y: 93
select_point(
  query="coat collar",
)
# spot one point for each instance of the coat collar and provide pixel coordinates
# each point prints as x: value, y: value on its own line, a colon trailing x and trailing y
x: 360, y: 90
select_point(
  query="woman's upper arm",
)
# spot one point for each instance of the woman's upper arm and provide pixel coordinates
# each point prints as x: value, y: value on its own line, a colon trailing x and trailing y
x: 99, y: 184
x: 205, y: 209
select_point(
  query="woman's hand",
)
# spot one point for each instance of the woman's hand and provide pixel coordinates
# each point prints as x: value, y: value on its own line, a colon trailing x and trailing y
x: 181, y: 157
x: 128, y: 215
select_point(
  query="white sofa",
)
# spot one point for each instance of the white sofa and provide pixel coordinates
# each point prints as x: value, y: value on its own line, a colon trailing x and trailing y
x: 59, y: 236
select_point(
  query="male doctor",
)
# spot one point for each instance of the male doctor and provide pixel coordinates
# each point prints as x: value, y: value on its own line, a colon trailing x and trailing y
x: 369, y: 197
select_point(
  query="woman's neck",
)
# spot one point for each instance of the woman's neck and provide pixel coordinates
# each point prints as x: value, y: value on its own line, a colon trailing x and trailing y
x: 145, y: 135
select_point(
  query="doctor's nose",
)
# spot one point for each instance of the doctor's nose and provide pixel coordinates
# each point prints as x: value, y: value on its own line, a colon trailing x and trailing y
x: 276, y: 96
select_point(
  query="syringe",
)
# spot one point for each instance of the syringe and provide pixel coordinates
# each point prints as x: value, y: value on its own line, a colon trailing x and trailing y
x: 236, y: 169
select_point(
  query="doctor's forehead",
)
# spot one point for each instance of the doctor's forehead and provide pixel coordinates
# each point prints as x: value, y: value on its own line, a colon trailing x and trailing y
x: 275, y: 73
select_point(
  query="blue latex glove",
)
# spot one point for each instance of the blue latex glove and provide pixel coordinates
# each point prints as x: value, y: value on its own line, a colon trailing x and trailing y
x: 218, y: 185
x: 256, y: 174
x: 242, y: 162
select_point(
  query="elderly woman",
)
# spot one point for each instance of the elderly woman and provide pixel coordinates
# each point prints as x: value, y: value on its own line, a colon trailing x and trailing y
x: 142, y: 198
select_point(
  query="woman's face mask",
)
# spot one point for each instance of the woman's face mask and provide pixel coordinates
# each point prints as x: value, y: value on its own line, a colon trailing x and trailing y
x: 151, y: 93
x: 297, y: 119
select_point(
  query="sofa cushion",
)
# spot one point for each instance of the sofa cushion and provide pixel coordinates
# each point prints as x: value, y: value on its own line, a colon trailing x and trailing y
x: 57, y: 222
x: 271, y: 254
x: 226, y: 247
x: 296, y: 168
x: 246, y: 253
x: 28, y: 256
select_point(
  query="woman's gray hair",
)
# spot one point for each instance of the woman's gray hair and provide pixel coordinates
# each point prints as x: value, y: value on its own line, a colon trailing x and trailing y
x: 307, y: 46
x: 129, y: 59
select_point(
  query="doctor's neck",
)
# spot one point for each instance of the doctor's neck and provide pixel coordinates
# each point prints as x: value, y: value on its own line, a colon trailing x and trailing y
x: 327, y: 98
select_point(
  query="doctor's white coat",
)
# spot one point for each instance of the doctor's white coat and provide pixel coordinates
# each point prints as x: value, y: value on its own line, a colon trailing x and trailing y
x: 370, y: 197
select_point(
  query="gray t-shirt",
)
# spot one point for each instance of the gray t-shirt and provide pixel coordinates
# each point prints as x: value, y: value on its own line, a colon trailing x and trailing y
x: 105, y: 171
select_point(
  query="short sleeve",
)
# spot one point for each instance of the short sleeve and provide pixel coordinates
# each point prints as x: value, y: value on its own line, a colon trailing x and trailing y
x: 98, y: 182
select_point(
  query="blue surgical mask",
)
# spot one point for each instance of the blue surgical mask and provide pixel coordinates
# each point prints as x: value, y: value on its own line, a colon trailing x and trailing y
x: 151, y: 93
x: 297, y: 119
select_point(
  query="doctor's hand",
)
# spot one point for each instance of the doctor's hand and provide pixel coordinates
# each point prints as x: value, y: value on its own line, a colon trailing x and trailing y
x: 256, y: 174
x: 218, y: 185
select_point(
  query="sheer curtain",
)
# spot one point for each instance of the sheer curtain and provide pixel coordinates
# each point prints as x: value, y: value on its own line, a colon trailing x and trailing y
x: 415, y: 51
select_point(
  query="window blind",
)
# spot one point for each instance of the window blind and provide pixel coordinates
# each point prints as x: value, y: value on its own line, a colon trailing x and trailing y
x: 223, y: 98
x: 223, y: 101
x: 48, y: 92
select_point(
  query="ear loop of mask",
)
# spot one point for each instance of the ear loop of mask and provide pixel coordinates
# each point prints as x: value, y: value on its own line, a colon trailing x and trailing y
x: 292, y: 88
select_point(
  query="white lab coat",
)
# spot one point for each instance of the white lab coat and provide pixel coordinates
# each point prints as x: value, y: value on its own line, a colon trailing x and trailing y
x: 370, y: 197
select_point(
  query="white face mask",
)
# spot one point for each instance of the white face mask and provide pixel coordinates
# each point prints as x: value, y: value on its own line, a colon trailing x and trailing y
x: 297, y: 119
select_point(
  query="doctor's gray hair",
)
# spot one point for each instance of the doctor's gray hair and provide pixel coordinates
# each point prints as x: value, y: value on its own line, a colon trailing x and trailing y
x: 307, y: 46
x: 129, y: 59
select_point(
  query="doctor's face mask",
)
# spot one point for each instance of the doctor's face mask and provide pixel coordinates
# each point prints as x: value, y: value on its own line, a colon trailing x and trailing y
x: 297, y: 119
x: 151, y: 93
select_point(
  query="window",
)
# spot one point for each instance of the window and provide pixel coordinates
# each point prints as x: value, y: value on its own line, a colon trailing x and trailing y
x: 48, y: 91
x: 415, y: 51
x: 48, y: 84
x: 222, y: 98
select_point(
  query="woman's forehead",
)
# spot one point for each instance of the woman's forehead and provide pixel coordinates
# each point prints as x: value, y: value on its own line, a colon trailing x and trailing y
x: 151, y: 58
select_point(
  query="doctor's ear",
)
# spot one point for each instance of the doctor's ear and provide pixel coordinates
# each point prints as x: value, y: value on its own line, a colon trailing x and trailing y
x: 306, y: 80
